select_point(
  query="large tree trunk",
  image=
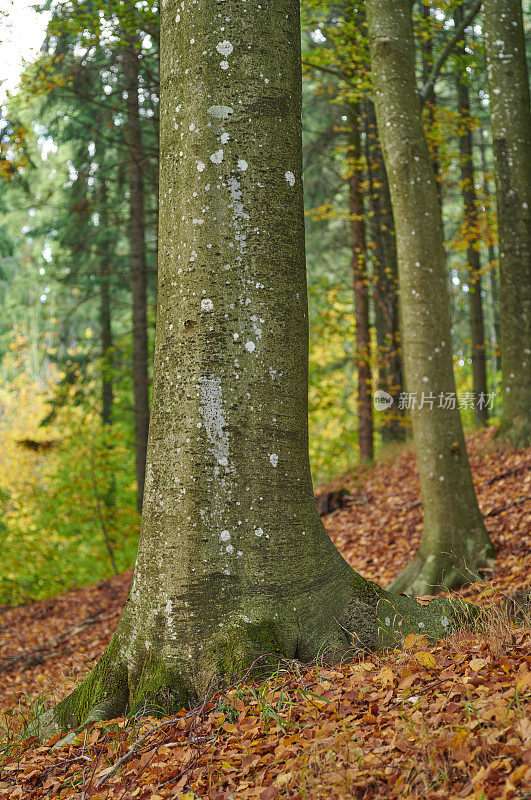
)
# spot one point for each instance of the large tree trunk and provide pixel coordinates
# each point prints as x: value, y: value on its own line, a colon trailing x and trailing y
x: 138, y: 268
x: 455, y: 543
x: 361, y: 291
x: 233, y: 563
x: 511, y: 134
x: 475, y: 304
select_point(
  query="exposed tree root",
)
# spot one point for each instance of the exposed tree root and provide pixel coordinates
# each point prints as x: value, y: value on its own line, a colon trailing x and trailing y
x: 368, y: 619
x: 430, y: 573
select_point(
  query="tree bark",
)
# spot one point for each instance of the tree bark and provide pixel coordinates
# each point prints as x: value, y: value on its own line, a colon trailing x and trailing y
x: 455, y: 543
x: 138, y: 268
x: 511, y: 133
x: 468, y: 190
x: 361, y: 290
x: 233, y: 563
x: 385, y: 281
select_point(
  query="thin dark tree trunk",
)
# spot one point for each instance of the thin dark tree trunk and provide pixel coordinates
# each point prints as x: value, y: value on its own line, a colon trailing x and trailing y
x: 105, y: 310
x: 493, y: 269
x: 361, y: 292
x: 426, y: 49
x: 138, y: 267
x: 479, y: 371
x: 385, y: 280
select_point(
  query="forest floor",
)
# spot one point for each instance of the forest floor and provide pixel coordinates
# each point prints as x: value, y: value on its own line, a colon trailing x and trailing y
x: 425, y: 721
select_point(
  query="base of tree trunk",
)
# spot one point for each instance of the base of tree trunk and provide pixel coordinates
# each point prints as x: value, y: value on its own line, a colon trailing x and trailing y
x: 515, y: 430
x: 363, y: 617
x: 430, y: 573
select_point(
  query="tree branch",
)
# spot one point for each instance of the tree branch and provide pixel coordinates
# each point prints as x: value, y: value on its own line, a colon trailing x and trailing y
x: 428, y: 86
x: 337, y: 73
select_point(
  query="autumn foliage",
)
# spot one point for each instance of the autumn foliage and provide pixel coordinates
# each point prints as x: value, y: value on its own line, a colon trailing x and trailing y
x: 425, y: 721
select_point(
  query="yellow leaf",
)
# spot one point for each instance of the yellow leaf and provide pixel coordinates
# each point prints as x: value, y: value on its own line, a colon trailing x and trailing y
x: 229, y: 727
x: 386, y: 676
x: 425, y: 659
x: 410, y: 640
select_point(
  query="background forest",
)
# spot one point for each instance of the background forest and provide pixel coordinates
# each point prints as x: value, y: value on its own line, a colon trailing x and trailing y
x: 78, y: 253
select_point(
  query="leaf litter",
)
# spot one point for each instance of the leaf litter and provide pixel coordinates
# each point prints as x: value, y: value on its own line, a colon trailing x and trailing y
x: 444, y: 720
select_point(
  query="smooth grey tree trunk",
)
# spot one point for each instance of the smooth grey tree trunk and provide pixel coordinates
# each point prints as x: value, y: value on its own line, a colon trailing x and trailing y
x: 511, y: 134
x: 233, y: 563
x: 455, y: 543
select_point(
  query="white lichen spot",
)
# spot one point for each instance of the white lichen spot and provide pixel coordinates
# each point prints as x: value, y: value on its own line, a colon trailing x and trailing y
x: 290, y: 177
x: 388, y: 621
x: 236, y: 197
x: 224, y: 64
x: 207, y: 304
x: 200, y: 166
x: 273, y: 458
x: 211, y: 409
x: 224, y: 536
x: 220, y: 112
x: 421, y: 624
x: 445, y: 622
x: 191, y: 126
x: 229, y: 549
x: 224, y: 138
x: 242, y: 164
x: 258, y: 532
x: 235, y: 336
x: 224, y: 48
x: 217, y: 157
x: 250, y: 346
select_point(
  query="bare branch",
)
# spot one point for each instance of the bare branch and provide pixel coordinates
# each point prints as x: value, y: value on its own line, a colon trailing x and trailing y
x: 445, y: 52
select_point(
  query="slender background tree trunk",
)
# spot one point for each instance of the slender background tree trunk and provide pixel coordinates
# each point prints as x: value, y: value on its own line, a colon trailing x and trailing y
x: 385, y: 292
x: 426, y: 49
x: 361, y: 291
x: 455, y: 542
x: 138, y: 269
x: 511, y: 134
x: 468, y: 189
x: 105, y: 308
